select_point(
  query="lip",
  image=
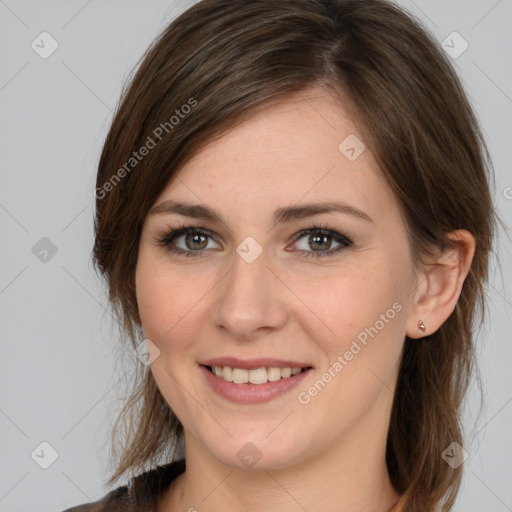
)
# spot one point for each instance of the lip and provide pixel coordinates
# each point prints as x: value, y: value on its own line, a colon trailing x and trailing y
x: 252, y: 364
x: 252, y: 393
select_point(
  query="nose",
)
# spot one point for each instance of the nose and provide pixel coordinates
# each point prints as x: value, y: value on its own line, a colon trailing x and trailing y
x: 252, y: 300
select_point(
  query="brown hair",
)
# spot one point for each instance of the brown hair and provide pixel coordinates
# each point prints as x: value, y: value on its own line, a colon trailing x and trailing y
x: 227, y: 59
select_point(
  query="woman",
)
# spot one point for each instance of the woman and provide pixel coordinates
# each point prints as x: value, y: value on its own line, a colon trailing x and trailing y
x: 294, y: 221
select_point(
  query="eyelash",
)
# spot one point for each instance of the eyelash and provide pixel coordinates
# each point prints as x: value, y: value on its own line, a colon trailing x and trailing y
x: 166, y: 238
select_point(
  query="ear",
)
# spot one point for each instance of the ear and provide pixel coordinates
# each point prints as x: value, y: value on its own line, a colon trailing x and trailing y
x: 439, y: 285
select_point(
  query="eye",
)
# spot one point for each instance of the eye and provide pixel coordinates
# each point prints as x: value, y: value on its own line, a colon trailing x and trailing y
x: 186, y: 241
x: 320, y: 240
x: 191, y: 241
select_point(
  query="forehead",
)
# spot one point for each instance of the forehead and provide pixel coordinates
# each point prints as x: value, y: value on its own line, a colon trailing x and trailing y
x: 305, y: 148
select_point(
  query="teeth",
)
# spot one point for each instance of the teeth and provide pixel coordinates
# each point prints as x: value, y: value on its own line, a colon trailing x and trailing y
x: 240, y: 376
x: 256, y: 376
x: 227, y: 374
x: 274, y: 373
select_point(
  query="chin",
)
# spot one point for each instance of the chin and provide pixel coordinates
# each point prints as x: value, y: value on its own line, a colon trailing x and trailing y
x: 258, y: 453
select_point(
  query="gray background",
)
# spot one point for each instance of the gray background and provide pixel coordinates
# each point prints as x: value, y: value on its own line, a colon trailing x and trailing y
x: 58, y: 364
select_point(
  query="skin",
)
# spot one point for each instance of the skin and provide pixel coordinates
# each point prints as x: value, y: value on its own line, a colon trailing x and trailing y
x: 328, y: 454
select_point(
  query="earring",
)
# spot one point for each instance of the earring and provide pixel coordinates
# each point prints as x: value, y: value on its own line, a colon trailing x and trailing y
x: 421, y: 326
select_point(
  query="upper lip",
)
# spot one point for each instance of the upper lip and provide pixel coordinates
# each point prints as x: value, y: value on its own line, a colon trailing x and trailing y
x: 251, y: 364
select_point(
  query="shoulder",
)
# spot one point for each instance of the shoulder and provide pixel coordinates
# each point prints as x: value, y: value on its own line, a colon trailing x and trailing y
x: 143, y: 490
x: 88, y: 507
x: 118, y: 499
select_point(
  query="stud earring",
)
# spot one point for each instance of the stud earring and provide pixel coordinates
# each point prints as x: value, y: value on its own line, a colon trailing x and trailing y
x: 421, y: 326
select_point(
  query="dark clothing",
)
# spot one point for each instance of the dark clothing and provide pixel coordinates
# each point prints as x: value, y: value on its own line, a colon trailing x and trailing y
x: 140, y: 495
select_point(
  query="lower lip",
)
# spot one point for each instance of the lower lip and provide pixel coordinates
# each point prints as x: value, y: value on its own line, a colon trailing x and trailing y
x: 252, y: 393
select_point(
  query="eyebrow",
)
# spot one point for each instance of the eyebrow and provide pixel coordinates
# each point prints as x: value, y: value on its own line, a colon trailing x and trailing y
x: 281, y: 215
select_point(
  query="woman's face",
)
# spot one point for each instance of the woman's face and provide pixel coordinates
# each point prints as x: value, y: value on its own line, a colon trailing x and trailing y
x: 319, y: 288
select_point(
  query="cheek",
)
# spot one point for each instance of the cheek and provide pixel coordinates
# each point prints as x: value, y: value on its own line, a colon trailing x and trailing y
x: 169, y: 300
x: 343, y: 303
x: 358, y: 324
x: 361, y: 336
x: 155, y: 301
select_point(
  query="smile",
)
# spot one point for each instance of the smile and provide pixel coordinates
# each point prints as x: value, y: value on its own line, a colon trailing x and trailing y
x: 252, y: 386
x: 257, y: 376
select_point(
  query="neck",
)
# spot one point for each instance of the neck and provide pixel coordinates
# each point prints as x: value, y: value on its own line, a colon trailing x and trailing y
x: 349, y: 477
